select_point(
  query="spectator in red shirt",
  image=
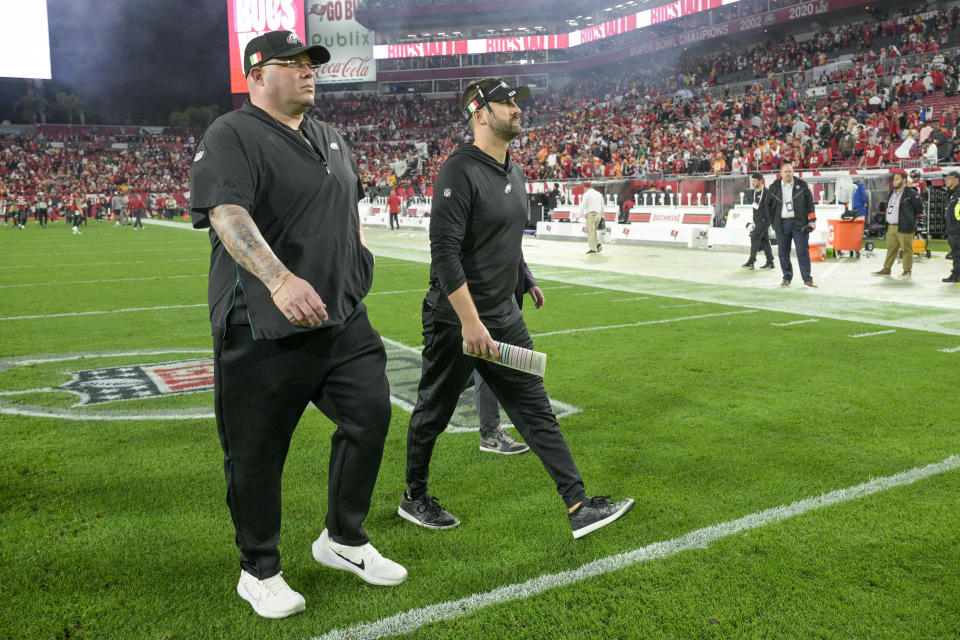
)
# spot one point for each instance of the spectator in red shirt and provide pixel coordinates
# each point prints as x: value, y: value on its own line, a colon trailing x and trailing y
x: 393, y: 209
x: 872, y: 155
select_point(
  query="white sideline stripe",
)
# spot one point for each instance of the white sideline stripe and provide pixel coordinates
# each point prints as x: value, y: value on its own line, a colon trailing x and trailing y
x: 790, y: 324
x: 415, y: 618
x: 628, y: 299
x: 644, y: 323
x: 385, y: 293
x: 562, y: 286
x: 950, y: 350
x: 97, y: 264
x: 872, y: 333
x: 44, y: 284
x: 98, y: 313
x: 677, y: 306
x: 592, y: 293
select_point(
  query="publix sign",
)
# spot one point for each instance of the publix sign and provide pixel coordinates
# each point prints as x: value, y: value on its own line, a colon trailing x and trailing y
x: 333, y: 24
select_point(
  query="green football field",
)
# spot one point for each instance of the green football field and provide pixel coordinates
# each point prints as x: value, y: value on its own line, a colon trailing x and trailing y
x: 794, y: 479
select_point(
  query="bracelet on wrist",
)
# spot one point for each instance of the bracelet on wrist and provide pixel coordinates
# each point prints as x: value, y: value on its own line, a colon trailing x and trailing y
x: 280, y: 284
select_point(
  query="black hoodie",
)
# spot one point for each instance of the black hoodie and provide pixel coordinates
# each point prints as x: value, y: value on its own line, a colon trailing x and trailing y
x: 476, y: 228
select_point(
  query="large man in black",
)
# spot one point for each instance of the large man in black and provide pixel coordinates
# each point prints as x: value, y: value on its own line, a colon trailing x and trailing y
x: 760, y: 232
x: 288, y: 273
x: 476, y: 226
x: 952, y: 212
x: 792, y: 216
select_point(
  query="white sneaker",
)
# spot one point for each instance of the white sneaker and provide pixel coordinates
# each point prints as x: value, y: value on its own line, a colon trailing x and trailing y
x: 270, y: 598
x: 365, y: 561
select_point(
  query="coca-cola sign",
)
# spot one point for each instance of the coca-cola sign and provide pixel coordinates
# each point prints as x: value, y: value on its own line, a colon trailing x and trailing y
x: 354, y: 69
x: 333, y: 24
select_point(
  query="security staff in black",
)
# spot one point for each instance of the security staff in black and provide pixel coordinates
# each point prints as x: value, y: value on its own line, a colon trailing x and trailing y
x: 760, y: 231
x: 952, y: 212
x: 791, y: 213
x: 476, y: 227
x: 288, y: 273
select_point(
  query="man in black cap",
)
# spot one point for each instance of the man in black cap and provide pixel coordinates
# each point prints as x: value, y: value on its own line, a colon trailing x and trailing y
x: 952, y: 212
x: 288, y: 273
x: 760, y: 231
x: 476, y: 227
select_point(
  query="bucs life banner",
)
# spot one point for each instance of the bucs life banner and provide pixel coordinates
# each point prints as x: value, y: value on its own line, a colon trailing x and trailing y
x: 333, y: 24
x: 251, y: 18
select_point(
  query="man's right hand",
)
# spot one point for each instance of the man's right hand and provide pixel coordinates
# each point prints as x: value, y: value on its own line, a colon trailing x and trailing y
x: 479, y: 341
x: 300, y: 303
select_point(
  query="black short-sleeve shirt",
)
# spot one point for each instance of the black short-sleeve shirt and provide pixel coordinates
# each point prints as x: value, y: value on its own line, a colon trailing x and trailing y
x: 302, y: 193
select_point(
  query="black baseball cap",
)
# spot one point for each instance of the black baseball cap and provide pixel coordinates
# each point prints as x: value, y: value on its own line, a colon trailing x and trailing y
x: 280, y: 44
x: 952, y: 174
x: 495, y: 90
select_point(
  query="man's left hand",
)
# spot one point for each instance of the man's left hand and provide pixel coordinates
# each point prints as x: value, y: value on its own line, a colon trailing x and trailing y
x: 537, y: 296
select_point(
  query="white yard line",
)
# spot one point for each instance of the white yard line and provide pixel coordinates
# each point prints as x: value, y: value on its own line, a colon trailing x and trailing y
x: 44, y: 284
x: 677, y: 306
x: 99, y: 313
x: 950, y: 350
x: 386, y: 293
x: 790, y: 324
x: 872, y: 333
x: 630, y: 299
x: 642, y: 324
x: 158, y: 264
x: 416, y: 618
x: 593, y: 293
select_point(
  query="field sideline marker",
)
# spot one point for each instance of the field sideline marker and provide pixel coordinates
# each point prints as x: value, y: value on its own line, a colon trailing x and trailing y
x: 416, y: 618
x: 99, y: 313
x: 43, y: 284
x: 790, y: 324
x: 643, y: 323
x: 950, y: 350
x: 872, y: 333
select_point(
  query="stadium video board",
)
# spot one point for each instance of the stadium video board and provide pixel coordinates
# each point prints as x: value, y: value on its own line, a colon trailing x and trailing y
x: 24, y: 40
x: 331, y: 23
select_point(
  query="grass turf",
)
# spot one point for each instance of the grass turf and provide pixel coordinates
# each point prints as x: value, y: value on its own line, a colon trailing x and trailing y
x: 118, y: 529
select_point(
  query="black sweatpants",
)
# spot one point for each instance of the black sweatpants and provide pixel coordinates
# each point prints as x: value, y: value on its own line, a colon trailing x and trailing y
x: 394, y: 220
x: 446, y: 370
x: 954, y: 240
x: 262, y: 388
x: 760, y: 241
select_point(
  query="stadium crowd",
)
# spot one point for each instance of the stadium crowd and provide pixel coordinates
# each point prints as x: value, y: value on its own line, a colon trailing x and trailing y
x: 869, y: 112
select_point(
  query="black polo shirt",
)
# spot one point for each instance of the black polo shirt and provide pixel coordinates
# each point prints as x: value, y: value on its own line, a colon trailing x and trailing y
x: 302, y: 194
x: 477, y: 219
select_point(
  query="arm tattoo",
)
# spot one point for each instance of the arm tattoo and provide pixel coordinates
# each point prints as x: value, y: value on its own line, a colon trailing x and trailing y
x: 244, y: 242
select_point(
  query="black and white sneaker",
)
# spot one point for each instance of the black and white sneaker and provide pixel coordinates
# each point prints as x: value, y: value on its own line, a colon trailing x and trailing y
x: 426, y: 512
x: 594, y: 513
x: 363, y: 560
x: 499, y: 442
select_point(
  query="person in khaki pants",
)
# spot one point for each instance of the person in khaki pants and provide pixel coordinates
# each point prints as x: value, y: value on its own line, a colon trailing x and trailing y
x: 903, y: 208
x: 591, y: 209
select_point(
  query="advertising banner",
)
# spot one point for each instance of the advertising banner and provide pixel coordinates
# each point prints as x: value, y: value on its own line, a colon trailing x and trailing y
x: 334, y: 25
x: 251, y: 18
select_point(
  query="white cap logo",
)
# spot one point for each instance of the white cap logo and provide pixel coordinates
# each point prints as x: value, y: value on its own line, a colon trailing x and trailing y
x: 293, y: 39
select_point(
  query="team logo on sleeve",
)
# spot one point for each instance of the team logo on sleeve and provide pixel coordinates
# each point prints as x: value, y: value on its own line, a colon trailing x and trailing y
x: 199, y: 155
x: 508, y: 188
x: 447, y: 192
x: 335, y: 146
